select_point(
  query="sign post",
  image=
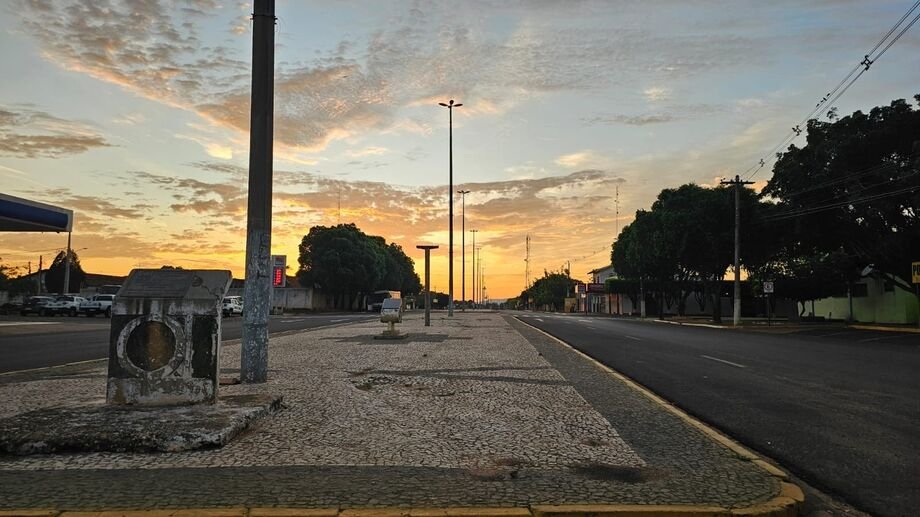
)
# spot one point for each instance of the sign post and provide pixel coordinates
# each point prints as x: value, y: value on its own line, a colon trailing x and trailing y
x: 767, y: 291
x: 915, y: 279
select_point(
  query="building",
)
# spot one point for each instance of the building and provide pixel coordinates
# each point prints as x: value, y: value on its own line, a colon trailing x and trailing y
x: 875, y: 300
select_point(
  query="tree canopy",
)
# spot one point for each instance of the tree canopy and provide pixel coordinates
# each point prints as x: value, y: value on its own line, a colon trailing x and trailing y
x: 347, y: 263
x: 54, y: 278
x: 846, y: 200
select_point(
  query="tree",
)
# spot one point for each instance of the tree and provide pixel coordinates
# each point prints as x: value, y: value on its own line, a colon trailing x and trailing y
x: 551, y: 290
x: 856, y: 181
x: 54, y: 278
x: 348, y: 264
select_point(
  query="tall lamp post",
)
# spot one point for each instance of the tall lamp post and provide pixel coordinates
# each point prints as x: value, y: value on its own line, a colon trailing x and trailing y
x: 450, y: 193
x: 474, y: 266
x: 463, y: 194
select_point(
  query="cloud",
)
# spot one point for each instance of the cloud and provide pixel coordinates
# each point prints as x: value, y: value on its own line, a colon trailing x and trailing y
x: 30, y: 133
x: 632, y: 120
x: 575, y: 160
x: 656, y: 94
x: 152, y: 49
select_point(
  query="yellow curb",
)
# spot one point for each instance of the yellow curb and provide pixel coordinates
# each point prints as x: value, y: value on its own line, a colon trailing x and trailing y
x: 772, y: 469
x: 469, y: 512
x: 187, y: 512
x: 628, y: 510
x: 913, y: 330
x: 29, y: 513
x: 293, y: 512
x: 375, y: 512
x: 790, y: 497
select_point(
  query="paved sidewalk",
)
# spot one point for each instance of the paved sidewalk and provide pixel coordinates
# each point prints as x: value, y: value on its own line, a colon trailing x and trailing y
x: 475, y: 411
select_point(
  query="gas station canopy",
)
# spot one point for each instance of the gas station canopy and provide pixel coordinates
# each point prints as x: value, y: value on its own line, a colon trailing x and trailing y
x: 23, y: 215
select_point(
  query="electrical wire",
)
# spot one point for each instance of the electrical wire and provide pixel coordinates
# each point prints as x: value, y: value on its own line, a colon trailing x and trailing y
x: 831, y: 97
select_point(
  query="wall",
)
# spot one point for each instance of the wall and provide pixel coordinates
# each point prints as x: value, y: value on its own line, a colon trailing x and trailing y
x: 293, y: 298
x: 878, y: 306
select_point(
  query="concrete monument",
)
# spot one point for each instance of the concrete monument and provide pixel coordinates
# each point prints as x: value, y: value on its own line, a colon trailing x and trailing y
x: 165, y: 339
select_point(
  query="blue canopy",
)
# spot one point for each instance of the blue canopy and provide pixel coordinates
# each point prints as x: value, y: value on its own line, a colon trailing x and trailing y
x: 23, y: 215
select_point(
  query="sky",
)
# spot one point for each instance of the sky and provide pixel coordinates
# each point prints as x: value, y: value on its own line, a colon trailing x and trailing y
x: 135, y: 114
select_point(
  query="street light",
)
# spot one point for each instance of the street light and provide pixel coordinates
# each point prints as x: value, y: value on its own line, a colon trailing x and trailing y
x: 427, y: 249
x: 463, y: 194
x: 474, y: 267
x: 450, y: 194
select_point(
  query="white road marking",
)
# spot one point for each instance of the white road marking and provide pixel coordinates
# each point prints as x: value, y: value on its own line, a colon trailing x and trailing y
x: 14, y: 323
x: 538, y: 319
x: 634, y: 338
x: 736, y: 365
x: 834, y: 334
x: 337, y: 321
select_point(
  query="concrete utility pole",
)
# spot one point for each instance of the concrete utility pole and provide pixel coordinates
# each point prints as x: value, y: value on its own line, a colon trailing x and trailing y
x: 463, y: 194
x: 738, y: 183
x: 427, y: 249
x: 66, y: 288
x: 450, y: 193
x: 258, y: 288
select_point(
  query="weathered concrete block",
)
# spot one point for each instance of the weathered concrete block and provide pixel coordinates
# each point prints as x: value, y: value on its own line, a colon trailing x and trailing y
x: 165, y: 339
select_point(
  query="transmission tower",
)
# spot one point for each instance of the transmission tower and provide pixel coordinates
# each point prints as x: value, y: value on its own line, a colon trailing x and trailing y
x: 527, y: 264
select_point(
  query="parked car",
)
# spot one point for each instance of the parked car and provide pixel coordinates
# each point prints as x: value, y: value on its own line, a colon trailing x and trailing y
x: 233, y: 305
x: 35, y: 305
x: 98, y: 304
x: 65, y: 304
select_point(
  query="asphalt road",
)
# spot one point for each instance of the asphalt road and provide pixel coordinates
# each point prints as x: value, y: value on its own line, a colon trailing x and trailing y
x: 34, y: 342
x: 840, y: 408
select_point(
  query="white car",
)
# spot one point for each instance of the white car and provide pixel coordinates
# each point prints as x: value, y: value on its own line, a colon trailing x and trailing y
x: 233, y: 305
x: 64, y: 304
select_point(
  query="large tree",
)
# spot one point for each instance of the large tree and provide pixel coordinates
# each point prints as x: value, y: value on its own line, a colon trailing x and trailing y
x: 854, y: 189
x: 54, y: 278
x: 347, y: 263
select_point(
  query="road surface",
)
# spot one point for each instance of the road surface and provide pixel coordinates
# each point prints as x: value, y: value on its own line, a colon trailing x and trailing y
x: 35, y: 342
x: 839, y: 407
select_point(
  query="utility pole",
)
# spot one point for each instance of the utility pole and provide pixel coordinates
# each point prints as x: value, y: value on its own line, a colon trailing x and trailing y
x: 463, y: 194
x: 474, y: 266
x: 737, y: 183
x: 616, y: 219
x: 66, y: 288
x: 40, y: 274
x: 258, y: 288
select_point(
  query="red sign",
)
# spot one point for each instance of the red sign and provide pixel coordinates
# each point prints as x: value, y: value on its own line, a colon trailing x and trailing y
x: 279, y: 266
x: 277, y: 277
x: 595, y: 288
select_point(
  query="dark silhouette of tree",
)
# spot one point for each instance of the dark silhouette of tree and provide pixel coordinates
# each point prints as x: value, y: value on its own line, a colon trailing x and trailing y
x: 54, y: 278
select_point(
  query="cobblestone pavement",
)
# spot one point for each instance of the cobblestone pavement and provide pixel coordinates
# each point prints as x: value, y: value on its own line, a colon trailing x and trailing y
x: 474, y: 410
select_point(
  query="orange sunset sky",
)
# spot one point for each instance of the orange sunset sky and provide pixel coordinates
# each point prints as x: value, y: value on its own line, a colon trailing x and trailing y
x: 135, y: 115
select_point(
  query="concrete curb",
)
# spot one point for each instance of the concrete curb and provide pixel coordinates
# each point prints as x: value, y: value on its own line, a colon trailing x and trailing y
x: 912, y: 330
x: 786, y: 503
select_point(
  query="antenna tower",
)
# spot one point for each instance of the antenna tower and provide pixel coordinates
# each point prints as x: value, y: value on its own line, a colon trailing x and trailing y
x: 527, y: 264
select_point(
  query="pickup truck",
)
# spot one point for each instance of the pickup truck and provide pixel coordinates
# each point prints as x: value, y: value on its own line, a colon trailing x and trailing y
x: 64, y: 304
x: 98, y: 304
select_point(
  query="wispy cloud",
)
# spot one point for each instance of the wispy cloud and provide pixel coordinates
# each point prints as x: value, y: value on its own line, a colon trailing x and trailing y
x: 29, y: 133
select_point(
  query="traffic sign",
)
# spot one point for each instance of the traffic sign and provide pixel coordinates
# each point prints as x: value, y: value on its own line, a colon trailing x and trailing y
x: 768, y: 287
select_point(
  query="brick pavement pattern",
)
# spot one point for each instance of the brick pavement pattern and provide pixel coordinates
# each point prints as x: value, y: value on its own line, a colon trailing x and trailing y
x: 477, y: 410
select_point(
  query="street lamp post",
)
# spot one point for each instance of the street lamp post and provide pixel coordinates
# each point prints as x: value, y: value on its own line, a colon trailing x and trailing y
x: 450, y: 193
x: 463, y: 194
x: 474, y: 266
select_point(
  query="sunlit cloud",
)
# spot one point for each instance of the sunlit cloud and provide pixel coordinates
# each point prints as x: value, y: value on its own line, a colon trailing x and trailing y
x: 31, y: 133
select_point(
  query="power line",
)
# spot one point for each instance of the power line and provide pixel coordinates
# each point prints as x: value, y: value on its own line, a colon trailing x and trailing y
x: 831, y: 97
x: 849, y: 202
